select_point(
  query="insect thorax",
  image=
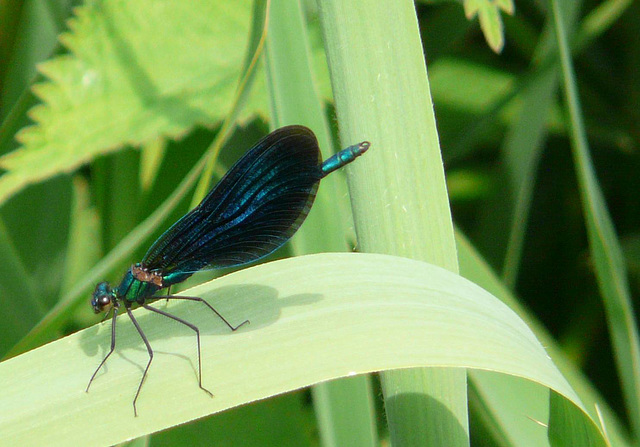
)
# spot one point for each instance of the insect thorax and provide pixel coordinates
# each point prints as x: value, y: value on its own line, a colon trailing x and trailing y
x: 139, y: 284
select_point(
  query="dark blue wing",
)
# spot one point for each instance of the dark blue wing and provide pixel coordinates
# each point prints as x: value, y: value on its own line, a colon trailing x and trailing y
x: 256, y: 207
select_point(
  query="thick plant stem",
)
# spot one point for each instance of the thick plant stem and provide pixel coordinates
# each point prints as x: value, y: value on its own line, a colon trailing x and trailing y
x: 398, y: 191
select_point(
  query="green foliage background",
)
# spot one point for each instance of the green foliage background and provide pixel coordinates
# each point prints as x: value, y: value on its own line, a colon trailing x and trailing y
x: 111, y: 110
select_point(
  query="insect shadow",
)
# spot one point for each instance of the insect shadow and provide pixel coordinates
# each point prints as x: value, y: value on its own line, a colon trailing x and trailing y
x: 257, y: 303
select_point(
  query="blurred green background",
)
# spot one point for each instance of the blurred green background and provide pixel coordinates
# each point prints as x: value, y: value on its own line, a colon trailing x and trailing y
x: 505, y: 134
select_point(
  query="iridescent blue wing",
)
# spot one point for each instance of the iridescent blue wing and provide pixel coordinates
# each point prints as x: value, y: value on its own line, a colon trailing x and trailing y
x: 256, y: 207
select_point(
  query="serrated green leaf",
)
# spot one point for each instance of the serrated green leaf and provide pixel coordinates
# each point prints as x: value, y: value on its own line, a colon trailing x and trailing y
x: 136, y: 70
x: 313, y: 318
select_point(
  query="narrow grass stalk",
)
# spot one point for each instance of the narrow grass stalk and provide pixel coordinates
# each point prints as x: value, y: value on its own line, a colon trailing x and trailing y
x: 610, y: 267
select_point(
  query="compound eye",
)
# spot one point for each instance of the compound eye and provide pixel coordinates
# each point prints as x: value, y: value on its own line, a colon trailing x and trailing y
x: 100, y: 303
x: 102, y: 297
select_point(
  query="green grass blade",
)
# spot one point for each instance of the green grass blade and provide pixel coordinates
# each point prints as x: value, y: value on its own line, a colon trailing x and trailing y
x: 257, y: 40
x: 83, y: 232
x: 497, y: 402
x: 505, y: 219
x: 474, y: 268
x: 313, y: 318
x: 605, y: 247
x: 345, y: 412
x: 344, y: 409
x: 398, y: 191
x: 15, y: 281
x: 33, y: 40
x: 567, y: 428
x: 294, y: 100
x: 280, y: 421
x: 599, y: 20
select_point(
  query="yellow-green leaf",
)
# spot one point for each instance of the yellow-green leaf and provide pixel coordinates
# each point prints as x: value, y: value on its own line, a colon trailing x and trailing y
x: 313, y: 318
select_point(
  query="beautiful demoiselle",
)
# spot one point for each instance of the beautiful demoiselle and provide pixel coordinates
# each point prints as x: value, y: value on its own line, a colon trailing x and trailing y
x: 254, y: 209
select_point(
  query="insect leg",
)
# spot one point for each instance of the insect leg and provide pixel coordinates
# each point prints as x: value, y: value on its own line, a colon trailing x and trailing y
x: 113, y: 347
x: 201, y: 300
x: 149, y: 350
x: 195, y: 329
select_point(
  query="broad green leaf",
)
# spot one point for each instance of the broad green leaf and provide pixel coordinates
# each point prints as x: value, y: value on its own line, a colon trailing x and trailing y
x: 135, y: 71
x: 313, y: 318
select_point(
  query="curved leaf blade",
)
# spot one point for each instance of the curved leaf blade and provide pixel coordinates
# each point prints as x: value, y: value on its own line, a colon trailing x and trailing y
x: 313, y: 318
